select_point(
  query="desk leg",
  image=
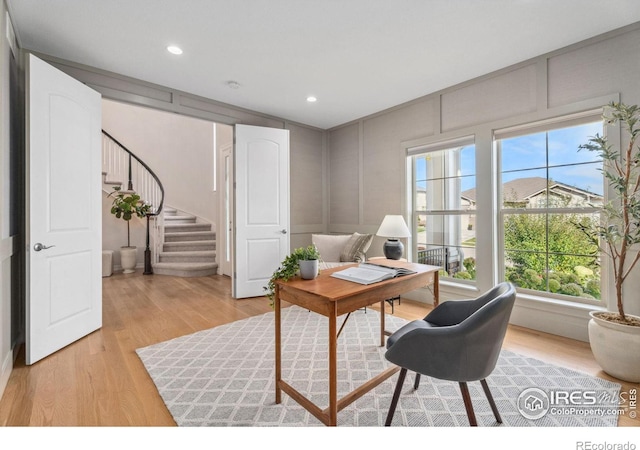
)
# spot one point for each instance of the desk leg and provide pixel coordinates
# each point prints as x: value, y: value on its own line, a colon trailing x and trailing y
x: 278, y: 338
x: 382, y: 327
x: 333, y: 367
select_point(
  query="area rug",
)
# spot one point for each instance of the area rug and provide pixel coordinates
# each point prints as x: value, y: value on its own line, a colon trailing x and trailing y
x: 224, y: 376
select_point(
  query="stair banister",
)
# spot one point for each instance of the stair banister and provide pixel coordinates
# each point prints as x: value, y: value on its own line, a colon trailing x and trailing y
x: 149, y: 186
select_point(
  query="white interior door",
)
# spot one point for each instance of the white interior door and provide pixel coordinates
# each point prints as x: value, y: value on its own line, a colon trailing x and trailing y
x: 64, y: 236
x: 261, y: 207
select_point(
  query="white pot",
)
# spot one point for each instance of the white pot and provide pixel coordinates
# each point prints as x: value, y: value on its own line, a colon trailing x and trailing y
x: 128, y: 259
x: 615, y: 347
x: 308, y: 269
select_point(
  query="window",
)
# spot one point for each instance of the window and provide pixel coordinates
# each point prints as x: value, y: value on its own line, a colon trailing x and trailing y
x: 443, y: 185
x: 547, y: 185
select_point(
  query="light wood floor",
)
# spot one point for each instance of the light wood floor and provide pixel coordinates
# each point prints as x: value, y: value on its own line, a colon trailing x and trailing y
x: 99, y: 380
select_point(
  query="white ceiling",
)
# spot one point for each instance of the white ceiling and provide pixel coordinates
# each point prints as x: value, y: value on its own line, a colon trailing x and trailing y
x: 356, y: 56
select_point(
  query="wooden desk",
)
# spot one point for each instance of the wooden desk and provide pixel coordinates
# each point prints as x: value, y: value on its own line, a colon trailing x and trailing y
x: 332, y: 297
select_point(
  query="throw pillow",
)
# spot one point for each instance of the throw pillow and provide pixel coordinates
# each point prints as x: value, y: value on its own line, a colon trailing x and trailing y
x: 330, y: 245
x: 356, y: 248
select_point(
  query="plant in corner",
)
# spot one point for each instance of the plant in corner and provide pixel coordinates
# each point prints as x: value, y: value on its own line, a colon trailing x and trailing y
x: 290, y: 266
x: 125, y: 206
x: 615, y: 336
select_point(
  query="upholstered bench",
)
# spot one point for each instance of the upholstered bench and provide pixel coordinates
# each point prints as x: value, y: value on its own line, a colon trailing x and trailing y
x: 340, y: 249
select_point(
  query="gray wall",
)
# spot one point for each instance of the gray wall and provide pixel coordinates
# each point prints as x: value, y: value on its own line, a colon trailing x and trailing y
x: 367, y: 157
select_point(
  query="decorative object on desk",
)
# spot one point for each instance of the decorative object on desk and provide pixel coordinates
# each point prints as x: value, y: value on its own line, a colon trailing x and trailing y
x: 224, y: 376
x: 393, y: 227
x: 292, y: 265
x: 367, y: 273
x: 612, y: 334
x: 125, y: 205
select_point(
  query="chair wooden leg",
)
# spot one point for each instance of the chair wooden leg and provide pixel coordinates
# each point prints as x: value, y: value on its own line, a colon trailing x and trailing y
x: 396, y: 397
x: 416, y: 383
x: 467, y: 404
x: 494, y: 408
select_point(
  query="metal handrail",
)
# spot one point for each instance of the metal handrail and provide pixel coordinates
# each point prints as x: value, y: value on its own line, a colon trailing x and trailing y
x: 121, y: 164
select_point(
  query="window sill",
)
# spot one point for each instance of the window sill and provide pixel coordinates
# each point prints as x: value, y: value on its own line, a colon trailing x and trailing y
x: 551, y: 304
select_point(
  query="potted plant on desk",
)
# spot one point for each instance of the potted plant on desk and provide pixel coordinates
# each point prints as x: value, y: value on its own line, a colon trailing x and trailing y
x: 303, y: 260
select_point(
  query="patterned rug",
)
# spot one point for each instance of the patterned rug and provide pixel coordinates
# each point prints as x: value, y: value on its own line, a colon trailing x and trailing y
x: 224, y: 376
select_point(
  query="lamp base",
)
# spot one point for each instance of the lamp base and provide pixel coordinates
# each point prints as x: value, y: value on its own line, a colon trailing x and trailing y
x: 393, y: 249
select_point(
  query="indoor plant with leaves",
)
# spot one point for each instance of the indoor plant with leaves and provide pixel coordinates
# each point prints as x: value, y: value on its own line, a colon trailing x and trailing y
x: 126, y: 205
x: 292, y: 265
x: 615, y: 335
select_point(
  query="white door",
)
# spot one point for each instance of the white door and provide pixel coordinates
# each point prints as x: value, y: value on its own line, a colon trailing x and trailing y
x: 261, y: 207
x: 64, y: 223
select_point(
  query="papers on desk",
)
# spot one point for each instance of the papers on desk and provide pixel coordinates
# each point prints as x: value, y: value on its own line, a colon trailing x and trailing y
x: 367, y: 273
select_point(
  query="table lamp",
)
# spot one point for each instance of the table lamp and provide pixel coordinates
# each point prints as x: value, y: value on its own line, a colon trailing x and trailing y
x: 393, y: 227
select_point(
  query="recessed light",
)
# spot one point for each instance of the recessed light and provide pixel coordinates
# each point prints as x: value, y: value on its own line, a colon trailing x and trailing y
x: 174, y: 49
x: 311, y: 99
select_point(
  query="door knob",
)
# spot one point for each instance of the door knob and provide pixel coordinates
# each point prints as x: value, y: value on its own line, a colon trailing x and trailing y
x: 38, y: 246
x: 283, y: 231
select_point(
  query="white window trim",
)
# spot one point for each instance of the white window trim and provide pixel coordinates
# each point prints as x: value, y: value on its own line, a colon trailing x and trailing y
x: 555, y: 123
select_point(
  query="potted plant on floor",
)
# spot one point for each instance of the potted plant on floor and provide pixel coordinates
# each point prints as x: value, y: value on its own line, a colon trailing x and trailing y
x: 303, y: 260
x: 125, y: 206
x: 615, y: 336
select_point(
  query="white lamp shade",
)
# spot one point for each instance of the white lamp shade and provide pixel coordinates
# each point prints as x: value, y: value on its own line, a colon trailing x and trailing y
x: 393, y: 227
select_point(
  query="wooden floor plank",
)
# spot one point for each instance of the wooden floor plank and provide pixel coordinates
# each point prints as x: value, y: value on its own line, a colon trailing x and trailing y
x: 100, y: 381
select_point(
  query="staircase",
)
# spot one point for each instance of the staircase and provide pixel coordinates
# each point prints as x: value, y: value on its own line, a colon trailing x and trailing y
x: 189, y: 248
x: 184, y: 246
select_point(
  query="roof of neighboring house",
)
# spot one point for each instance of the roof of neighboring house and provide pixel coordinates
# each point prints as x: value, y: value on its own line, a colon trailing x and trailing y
x: 523, y: 189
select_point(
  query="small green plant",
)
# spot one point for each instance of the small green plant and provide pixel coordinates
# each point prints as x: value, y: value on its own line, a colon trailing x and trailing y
x: 125, y: 206
x: 289, y: 268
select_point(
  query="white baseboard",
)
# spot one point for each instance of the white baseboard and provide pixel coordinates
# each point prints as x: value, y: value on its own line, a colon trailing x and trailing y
x: 5, y: 371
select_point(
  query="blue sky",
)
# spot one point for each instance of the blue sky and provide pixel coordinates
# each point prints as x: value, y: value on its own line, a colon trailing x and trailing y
x: 526, y: 156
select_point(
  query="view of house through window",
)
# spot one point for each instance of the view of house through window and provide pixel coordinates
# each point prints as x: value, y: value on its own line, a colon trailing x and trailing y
x: 444, y: 209
x: 547, y: 186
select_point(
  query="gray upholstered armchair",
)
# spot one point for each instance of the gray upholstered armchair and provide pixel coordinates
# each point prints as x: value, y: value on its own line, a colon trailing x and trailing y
x: 458, y: 341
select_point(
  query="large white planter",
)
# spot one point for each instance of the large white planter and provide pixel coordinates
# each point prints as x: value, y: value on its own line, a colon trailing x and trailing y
x: 615, y: 348
x: 128, y: 259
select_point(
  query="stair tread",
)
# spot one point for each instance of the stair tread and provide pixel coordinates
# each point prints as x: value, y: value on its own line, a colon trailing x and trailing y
x: 190, y: 252
x: 177, y: 227
x: 186, y: 265
x: 182, y: 217
x: 194, y: 232
x: 200, y: 242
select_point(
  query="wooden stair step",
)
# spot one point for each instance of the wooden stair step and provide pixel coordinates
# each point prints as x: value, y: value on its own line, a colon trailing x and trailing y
x: 185, y: 269
x: 186, y: 227
x: 190, y: 236
x: 172, y: 220
x: 188, y: 256
x: 188, y: 246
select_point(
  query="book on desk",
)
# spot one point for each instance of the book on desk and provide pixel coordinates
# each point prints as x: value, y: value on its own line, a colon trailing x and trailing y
x: 367, y: 273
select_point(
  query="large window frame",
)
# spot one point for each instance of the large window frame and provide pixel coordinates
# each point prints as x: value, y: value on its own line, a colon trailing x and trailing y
x: 438, y: 211
x: 547, y: 209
